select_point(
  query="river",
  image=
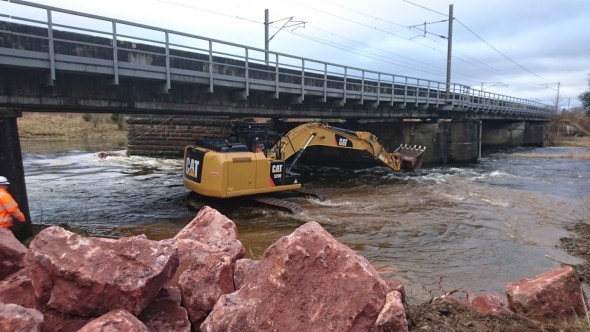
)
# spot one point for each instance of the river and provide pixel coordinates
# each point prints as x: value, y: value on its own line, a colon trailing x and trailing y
x: 473, y: 227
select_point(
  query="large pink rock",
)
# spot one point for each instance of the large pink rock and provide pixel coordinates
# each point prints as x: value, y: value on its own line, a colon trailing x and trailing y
x: 92, y: 276
x: 489, y: 304
x: 396, y: 285
x: 550, y: 295
x: 12, y: 254
x: 215, y: 231
x: 17, y: 289
x: 116, y: 320
x: 393, y: 315
x: 242, y: 268
x: 209, y: 233
x: 14, y: 317
x: 305, y: 281
x: 203, y: 284
x: 165, y: 314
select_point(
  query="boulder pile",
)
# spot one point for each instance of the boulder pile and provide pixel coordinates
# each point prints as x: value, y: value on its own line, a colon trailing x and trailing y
x: 199, y: 280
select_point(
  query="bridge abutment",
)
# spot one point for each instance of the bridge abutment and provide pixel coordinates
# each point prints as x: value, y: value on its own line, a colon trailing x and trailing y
x: 166, y: 136
x: 11, y: 167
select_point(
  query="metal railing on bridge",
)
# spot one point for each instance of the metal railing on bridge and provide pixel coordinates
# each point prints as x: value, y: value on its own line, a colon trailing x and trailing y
x: 107, y: 46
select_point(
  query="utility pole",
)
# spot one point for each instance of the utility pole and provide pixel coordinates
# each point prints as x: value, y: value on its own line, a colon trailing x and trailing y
x: 266, y: 40
x: 449, y: 50
x: 557, y: 100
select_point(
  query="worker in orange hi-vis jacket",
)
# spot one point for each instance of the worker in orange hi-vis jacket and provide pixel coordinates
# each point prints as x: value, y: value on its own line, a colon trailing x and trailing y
x: 8, y: 206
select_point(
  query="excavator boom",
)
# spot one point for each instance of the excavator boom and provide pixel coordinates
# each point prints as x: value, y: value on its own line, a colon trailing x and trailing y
x: 319, y: 134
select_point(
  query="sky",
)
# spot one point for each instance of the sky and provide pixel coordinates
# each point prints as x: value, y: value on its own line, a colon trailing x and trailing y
x: 529, y: 49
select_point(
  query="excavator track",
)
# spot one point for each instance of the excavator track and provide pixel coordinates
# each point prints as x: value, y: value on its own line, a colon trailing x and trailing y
x: 312, y: 192
x: 278, y: 203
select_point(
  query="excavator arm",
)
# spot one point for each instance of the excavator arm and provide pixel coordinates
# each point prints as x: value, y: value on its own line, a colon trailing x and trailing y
x: 319, y: 134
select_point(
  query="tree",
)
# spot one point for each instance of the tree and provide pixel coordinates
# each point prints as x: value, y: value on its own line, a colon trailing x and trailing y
x: 585, y: 99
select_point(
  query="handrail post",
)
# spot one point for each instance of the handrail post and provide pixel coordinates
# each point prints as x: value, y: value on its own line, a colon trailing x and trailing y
x: 210, y: 66
x: 345, y: 83
x: 276, y: 75
x: 363, y: 87
x: 247, y: 73
x: 302, y: 79
x: 167, y: 38
x: 51, y: 47
x: 325, y: 82
x: 392, y: 90
x: 378, y: 88
x: 115, y: 55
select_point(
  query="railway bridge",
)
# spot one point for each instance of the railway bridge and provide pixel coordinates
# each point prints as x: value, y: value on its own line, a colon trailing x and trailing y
x: 195, y: 83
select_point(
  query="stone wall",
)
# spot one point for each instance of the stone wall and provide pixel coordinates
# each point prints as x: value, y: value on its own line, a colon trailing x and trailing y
x: 164, y: 136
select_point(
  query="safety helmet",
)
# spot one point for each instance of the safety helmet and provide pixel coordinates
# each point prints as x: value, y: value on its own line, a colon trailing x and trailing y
x: 4, y: 181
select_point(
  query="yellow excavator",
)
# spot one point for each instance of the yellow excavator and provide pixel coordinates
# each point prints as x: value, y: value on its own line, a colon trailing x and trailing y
x: 217, y: 168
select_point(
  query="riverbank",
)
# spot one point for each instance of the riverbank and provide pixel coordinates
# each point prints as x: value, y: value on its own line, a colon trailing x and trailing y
x: 433, y: 314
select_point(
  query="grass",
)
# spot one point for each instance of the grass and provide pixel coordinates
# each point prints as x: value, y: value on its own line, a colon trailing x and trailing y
x: 45, y: 126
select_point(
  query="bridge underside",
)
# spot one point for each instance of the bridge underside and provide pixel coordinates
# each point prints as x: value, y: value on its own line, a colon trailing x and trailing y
x: 30, y: 90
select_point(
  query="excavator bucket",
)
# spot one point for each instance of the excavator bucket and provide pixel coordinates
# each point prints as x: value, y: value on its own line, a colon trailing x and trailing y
x: 411, y: 156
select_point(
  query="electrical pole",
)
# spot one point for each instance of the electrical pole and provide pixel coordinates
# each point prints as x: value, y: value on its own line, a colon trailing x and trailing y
x: 557, y: 100
x: 449, y: 50
x: 266, y: 40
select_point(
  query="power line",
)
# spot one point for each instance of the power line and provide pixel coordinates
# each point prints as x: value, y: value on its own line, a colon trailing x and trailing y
x: 426, y: 8
x: 498, y: 51
x: 209, y: 11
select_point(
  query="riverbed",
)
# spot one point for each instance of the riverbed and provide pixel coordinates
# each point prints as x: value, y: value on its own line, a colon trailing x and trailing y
x: 470, y: 227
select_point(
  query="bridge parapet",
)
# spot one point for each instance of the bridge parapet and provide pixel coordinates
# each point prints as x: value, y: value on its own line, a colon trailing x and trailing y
x: 127, y: 50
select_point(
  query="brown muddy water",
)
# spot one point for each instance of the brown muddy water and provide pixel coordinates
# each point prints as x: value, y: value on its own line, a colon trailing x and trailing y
x: 473, y: 227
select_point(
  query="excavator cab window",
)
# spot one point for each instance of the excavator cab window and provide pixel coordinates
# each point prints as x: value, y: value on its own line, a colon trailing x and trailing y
x: 220, y: 145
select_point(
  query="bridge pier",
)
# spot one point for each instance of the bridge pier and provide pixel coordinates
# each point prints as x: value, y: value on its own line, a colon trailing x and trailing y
x: 511, y: 133
x: 447, y: 141
x: 11, y: 167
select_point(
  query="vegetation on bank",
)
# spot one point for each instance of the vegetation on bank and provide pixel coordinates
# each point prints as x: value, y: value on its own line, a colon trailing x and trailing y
x: 71, y: 125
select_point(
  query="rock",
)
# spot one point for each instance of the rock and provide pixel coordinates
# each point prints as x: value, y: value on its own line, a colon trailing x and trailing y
x: 242, y: 268
x: 17, y: 289
x: 550, y: 295
x: 92, y: 276
x: 215, y: 231
x: 12, y: 254
x: 396, y: 285
x: 304, y: 281
x: 210, y: 232
x: 14, y: 317
x: 165, y: 314
x: 393, y: 315
x: 116, y: 320
x: 489, y: 304
x: 203, y: 284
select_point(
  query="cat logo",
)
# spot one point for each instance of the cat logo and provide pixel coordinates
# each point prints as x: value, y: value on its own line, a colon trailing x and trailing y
x: 192, y: 167
x: 342, y: 141
x: 277, y: 168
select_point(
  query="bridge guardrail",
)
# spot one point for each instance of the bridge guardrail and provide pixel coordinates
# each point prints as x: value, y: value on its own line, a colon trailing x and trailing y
x: 123, y: 48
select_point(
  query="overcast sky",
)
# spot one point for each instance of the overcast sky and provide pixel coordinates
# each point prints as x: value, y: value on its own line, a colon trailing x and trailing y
x: 521, y: 48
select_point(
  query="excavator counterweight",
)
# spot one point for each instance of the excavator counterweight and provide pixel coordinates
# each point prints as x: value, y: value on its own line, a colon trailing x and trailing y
x: 219, y: 169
